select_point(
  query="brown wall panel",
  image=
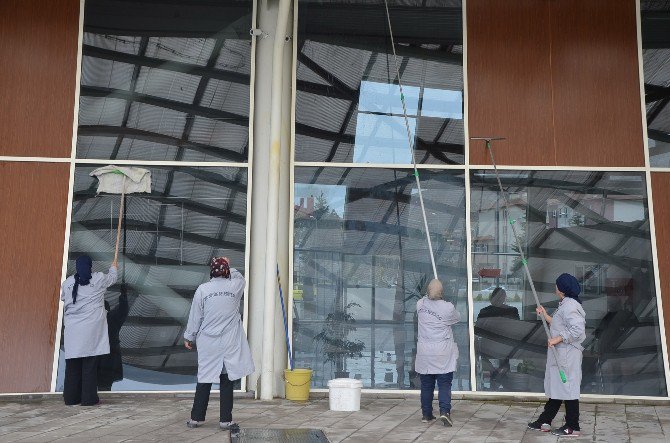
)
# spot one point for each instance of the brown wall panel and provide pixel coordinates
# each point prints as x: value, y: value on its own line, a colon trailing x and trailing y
x: 660, y: 183
x: 509, y: 80
x: 33, y: 206
x: 38, y: 49
x: 594, y: 61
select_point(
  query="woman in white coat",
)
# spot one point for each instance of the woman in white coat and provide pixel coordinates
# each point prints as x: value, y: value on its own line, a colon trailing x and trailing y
x: 215, y: 326
x: 436, y: 352
x: 568, y: 331
x: 85, y: 330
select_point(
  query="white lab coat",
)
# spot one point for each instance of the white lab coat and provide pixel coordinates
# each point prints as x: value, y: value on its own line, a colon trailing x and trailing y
x: 569, y: 322
x: 436, y: 351
x: 215, y: 325
x: 85, y: 322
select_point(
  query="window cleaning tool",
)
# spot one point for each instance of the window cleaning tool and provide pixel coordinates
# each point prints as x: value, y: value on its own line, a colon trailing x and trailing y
x: 283, y: 311
x: 518, y: 244
x: 411, y: 144
x: 122, y: 180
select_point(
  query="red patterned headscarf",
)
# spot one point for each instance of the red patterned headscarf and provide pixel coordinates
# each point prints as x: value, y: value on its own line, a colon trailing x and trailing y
x: 219, y: 267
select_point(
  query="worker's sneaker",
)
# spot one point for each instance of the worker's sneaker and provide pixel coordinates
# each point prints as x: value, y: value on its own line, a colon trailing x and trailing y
x: 566, y: 431
x: 539, y: 426
x: 446, y: 419
x: 225, y: 425
x: 427, y: 418
x: 193, y: 423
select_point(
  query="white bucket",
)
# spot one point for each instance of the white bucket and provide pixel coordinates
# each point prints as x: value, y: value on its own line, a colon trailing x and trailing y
x: 344, y: 394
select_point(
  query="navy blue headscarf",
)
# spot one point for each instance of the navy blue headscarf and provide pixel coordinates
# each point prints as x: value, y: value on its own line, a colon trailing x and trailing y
x: 569, y: 286
x: 84, y: 264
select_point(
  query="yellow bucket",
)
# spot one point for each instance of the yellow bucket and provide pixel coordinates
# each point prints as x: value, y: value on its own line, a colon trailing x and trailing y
x: 297, y: 384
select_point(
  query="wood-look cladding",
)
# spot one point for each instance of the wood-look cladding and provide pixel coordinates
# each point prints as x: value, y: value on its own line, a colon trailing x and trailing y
x: 558, y: 79
x: 660, y: 184
x: 38, y: 49
x: 33, y: 204
x: 509, y: 88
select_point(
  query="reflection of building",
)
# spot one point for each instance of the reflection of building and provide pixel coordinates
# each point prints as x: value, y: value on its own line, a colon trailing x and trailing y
x: 168, y: 86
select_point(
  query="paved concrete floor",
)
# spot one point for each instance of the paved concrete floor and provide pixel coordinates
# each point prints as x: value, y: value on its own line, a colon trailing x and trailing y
x: 137, y: 419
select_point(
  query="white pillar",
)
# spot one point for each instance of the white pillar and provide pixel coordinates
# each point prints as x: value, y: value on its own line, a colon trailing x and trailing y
x: 266, y: 19
x: 285, y: 208
x: 270, y: 298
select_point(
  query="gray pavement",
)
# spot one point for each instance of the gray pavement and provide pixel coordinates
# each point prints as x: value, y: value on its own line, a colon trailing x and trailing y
x: 145, y: 419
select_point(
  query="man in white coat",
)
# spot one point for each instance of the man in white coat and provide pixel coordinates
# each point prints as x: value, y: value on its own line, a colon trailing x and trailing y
x: 436, y: 353
x: 568, y: 331
x: 215, y: 326
x: 85, y: 330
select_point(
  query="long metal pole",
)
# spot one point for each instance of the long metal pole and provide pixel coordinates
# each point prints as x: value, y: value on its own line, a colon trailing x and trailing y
x: 267, y: 362
x: 524, y: 262
x: 283, y: 311
x: 411, y: 143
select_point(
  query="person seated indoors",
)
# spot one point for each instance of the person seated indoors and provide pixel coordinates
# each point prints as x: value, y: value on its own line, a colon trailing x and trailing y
x: 498, y: 309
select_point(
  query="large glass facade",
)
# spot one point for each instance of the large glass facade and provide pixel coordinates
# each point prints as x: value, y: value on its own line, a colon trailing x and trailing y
x: 594, y: 225
x: 166, y: 86
x: 361, y: 263
x: 656, y: 57
x: 164, y: 83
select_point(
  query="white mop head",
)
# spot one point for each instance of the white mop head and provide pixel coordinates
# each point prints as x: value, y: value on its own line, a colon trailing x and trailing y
x: 111, y: 179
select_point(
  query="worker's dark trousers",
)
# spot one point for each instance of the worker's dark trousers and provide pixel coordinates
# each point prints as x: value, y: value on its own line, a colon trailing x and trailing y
x: 201, y: 400
x: 571, y: 412
x: 81, y: 381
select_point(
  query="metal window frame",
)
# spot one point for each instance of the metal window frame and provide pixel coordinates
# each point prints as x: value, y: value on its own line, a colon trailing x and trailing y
x: 466, y: 168
x: 74, y: 161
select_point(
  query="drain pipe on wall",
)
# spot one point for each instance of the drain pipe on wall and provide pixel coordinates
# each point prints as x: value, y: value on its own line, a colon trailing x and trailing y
x: 267, y: 361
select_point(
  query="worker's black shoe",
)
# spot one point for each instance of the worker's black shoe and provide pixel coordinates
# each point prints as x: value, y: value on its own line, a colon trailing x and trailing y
x: 446, y: 419
x: 566, y: 431
x: 537, y: 425
x: 427, y: 418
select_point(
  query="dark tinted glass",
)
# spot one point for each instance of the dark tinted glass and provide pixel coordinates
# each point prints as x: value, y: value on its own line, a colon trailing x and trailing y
x: 361, y: 263
x: 170, y: 236
x: 656, y: 57
x: 593, y: 225
x: 348, y: 106
x: 165, y: 81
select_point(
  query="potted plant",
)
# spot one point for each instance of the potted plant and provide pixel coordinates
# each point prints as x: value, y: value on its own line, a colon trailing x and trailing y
x: 335, y: 337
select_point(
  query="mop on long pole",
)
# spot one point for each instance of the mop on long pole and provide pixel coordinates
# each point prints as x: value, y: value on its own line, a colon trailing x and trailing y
x: 122, y: 180
x: 283, y: 311
x: 519, y: 247
x: 410, y: 142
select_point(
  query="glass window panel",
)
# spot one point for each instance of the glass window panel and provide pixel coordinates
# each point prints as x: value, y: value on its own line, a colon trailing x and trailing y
x: 593, y: 225
x: 656, y: 58
x: 192, y: 214
x: 346, y: 70
x: 361, y: 263
x: 383, y: 139
x: 156, y: 86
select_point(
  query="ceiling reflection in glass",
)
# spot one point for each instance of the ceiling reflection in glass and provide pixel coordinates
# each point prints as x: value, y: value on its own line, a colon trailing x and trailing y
x: 165, y: 81
x: 348, y: 106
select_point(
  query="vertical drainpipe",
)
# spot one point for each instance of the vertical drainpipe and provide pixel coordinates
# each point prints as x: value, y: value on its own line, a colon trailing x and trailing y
x: 267, y: 362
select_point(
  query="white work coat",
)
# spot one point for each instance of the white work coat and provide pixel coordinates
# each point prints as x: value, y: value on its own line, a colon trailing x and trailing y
x: 215, y: 325
x: 436, y: 350
x: 569, y: 322
x: 85, y: 322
